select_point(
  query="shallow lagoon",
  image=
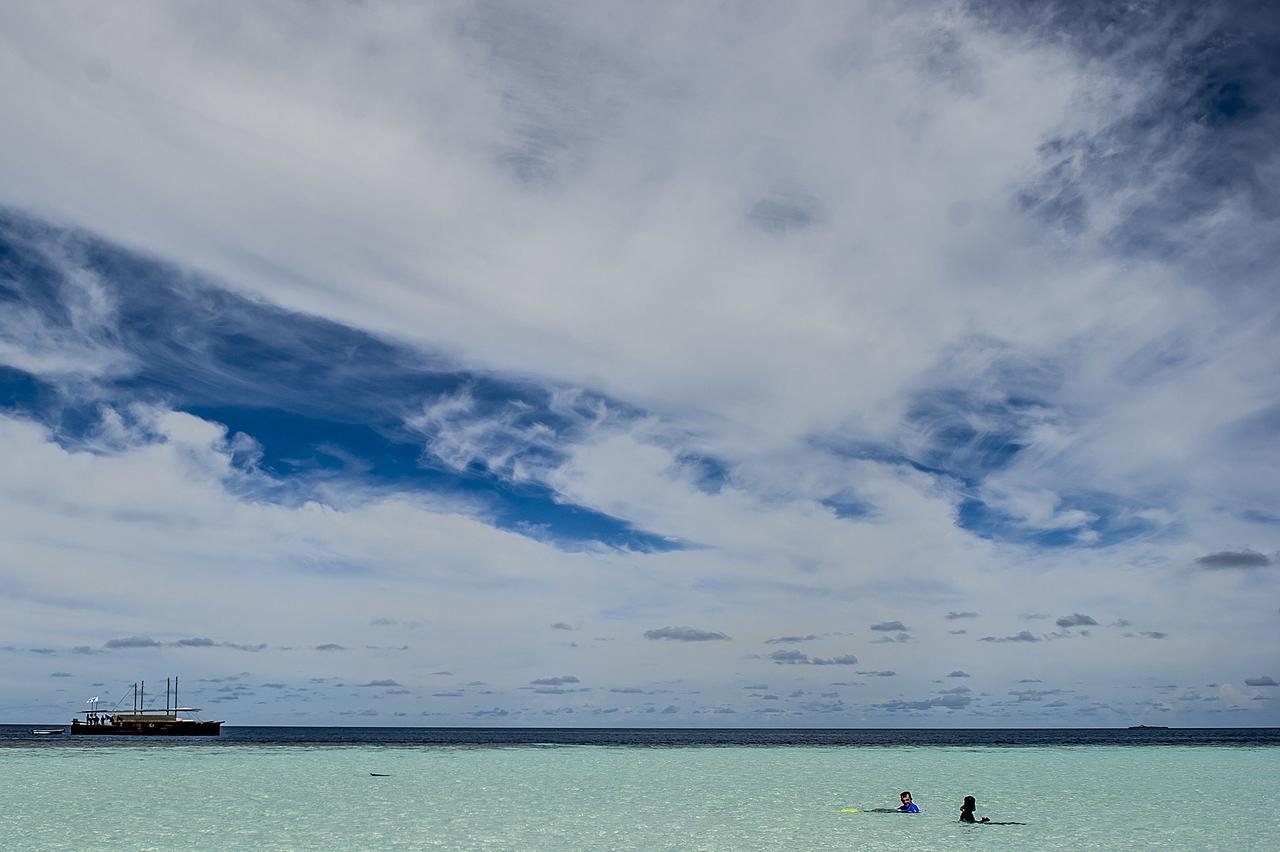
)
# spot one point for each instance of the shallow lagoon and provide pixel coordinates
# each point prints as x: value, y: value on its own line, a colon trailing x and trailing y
x: 239, y: 796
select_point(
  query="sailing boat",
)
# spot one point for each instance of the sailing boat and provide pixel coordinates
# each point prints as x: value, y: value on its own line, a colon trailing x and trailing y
x: 145, y: 721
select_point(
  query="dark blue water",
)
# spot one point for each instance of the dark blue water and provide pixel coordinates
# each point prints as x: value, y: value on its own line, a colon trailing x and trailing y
x: 871, y: 737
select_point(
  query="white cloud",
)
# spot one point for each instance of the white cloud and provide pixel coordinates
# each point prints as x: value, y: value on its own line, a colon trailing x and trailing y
x: 165, y: 527
x: 74, y: 352
x: 374, y: 185
x: 775, y: 231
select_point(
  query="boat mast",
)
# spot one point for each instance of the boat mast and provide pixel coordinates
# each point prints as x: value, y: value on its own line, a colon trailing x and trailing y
x: 135, y: 696
x: 142, y: 699
x: 175, y: 696
x: 166, y: 696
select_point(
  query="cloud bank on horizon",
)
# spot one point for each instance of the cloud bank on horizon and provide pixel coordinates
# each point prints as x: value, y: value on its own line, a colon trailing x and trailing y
x: 389, y: 362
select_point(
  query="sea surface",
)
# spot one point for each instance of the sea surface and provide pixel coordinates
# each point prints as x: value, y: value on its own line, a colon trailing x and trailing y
x: 569, y: 789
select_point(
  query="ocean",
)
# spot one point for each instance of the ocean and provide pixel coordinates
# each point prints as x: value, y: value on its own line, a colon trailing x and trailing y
x: 570, y: 789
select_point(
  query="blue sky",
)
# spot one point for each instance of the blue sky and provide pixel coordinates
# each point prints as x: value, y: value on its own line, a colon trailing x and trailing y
x: 737, y: 366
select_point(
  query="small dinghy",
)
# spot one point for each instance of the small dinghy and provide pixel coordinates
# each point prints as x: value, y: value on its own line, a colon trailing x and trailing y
x: 47, y: 732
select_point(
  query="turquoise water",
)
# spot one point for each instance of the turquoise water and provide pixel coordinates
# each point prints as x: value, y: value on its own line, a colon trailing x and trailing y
x: 602, y: 797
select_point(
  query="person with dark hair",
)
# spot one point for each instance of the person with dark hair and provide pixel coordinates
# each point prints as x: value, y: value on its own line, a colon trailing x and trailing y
x: 908, y: 806
x: 966, y: 814
x: 966, y: 811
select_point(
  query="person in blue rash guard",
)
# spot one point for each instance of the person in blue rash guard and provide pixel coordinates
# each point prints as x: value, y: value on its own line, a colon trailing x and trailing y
x: 908, y: 806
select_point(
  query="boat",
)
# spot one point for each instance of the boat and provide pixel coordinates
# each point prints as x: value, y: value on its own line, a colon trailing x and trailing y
x: 47, y: 732
x: 1148, y: 727
x: 144, y: 721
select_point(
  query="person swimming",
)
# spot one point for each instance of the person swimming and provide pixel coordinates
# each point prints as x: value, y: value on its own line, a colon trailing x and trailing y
x: 967, y: 809
x: 908, y: 807
x: 966, y: 814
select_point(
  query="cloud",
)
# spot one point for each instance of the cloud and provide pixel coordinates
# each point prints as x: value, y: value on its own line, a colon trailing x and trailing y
x: 61, y: 674
x: 1075, y: 620
x: 231, y: 678
x: 884, y: 640
x: 790, y: 657
x: 1265, y: 680
x: 560, y: 625
x: 786, y: 640
x: 1233, y: 559
x: 947, y: 702
x: 889, y: 626
x: 958, y: 673
x: 131, y: 642
x: 251, y: 648
x: 1020, y: 636
x: 684, y: 634
x: 378, y: 683
x: 317, y: 378
x: 802, y: 659
x: 779, y: 216
x: 953, y: 616
x: 555, y: 681
x: 1035, y: 694
x: 192, y: 642
x: 330, y: 646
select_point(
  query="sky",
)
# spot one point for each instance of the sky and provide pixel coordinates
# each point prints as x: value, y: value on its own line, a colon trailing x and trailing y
x: 614, y: 364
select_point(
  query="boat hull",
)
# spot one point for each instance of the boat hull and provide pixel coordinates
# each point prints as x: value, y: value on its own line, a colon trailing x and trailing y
x: 149, y: 729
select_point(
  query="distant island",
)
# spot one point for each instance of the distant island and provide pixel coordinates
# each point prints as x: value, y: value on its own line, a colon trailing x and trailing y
x: 1148, y: 727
